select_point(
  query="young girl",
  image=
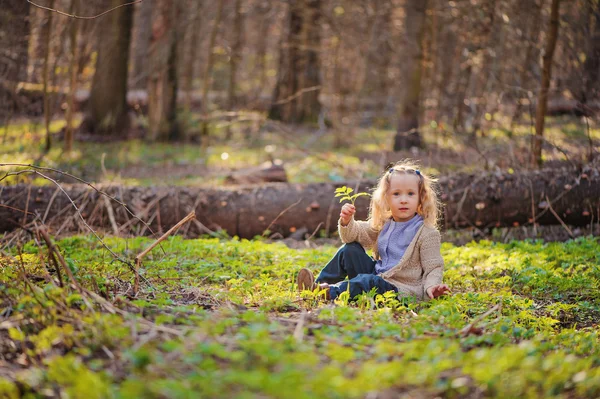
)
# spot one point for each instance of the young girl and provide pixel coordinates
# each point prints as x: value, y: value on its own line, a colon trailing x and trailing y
x: 402, y: 232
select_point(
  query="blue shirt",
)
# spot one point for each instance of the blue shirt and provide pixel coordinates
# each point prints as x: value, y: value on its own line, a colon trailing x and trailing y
x: 393, y: 240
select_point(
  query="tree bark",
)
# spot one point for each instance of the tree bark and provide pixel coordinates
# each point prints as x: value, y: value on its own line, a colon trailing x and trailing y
x: 188, y: 76
x: 14, y: 39
x: 73, y: 72
x: 107, y: 113
x: 531, y: 36
x: 141, y: 45
x: 264, y: 10
x: 47, y: 115
x: 236, y: 49
x: 163, y: 79
x: 542, y: 104
x: 483, y: 201
x: 591, y: 66
x: 296, y: 94
x: 206, y: 75
x: 407, y: 133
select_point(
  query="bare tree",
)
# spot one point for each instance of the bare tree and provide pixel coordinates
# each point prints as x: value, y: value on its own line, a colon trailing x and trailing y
x: 206, y: 76
x: 14, y: 36
x: 296, y: 95
x: 531, y: 35
x: 141, y: 44
x: 47, y: 112
x: 163, y: 79
x: 407, y: 133
x: 107, y: 112
x: 542, y: 104
x: 236, y: 49
x: 189, y: 68
x: 73, y: 72
x: 591, y: 65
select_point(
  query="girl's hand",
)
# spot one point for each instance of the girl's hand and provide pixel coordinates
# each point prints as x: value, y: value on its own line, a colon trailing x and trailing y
x: 437, y: 290
x: 346, y: 214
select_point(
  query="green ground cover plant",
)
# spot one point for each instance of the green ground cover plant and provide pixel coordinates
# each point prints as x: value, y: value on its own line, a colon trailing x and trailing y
x: 222, y: 318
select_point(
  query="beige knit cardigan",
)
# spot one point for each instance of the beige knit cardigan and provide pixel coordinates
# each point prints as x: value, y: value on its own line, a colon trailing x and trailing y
x: 421, y: 265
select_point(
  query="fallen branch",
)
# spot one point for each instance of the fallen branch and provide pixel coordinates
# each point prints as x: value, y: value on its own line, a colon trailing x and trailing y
x: 471, y: 328
x: 559, y: 219
x: 138, y: 259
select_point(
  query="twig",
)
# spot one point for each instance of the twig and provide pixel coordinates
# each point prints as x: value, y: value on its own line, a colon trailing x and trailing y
x: 590, y: 141
x: 314, y: 232
x: 138, y: 259
x: 470, y: 327
x: 460, y: 205
x: 54, y: 250
x: 26, y: 206
x: 34, y: 171
x: 80, y: 17
x: 533, y: 209
x: 50, y: 204
x: 299, y: 330
x: 281, y: 213
x: 16, y: 209
x: 111, y: 216
x: 142, y: 213
x: 75, y: 178
x: 329, y: 213
x: 559, y: 219
x: 297, y: 94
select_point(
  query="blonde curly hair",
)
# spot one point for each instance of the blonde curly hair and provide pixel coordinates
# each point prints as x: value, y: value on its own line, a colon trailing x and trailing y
x: 429, y: 203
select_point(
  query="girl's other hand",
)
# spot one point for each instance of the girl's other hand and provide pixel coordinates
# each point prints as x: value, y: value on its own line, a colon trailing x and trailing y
x: 437, y: 290
x: 348, y: 210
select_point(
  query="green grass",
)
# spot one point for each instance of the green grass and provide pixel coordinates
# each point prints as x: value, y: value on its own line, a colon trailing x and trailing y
x: 245, y: 332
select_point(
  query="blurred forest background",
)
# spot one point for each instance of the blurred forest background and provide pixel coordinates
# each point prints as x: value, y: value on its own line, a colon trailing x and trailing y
x: 192, y: 71
x: 204, y: 94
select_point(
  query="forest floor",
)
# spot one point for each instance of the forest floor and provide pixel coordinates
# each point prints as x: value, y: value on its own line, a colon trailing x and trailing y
x: 308, y: 155
x: 221, y: 317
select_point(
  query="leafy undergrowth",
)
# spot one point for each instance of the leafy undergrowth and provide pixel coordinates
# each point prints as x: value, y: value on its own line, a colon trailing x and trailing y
x: 222, y: 318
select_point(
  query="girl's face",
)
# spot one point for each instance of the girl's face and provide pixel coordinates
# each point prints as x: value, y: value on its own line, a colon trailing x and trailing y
x: 403, y: 196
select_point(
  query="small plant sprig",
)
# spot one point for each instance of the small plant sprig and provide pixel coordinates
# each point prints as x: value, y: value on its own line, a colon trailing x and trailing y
x: 345, y: 193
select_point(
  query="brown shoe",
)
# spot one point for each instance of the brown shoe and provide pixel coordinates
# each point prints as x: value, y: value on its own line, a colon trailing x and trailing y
x: 306, y: 280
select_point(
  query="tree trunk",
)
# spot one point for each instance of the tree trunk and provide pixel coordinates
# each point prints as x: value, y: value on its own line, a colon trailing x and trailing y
x: 194, y: 41
x: 14, y: 38
x: 296, y: 95
x: 261, y: 46
x: 531, y: 36
x: 73, y: 72
x: 236, y: 49
x: 206, y: 76
x: 407, y: 134
x: 141, y: 45
x: 162, y: 79
x: 484, y: 200
x: 107, y: 113
x: 540, y: 112
x: 591, y: 66
x: 234, y: 60
x: 47, y: 115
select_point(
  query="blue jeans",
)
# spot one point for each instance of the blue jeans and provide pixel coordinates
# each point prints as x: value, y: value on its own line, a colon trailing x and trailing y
x: 352, y: 261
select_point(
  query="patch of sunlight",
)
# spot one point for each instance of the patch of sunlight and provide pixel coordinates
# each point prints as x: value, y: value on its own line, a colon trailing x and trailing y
x: 330, y: 166
x: 236, y: 157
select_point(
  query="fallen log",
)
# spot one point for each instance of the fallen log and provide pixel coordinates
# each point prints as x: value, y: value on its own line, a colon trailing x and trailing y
x: 483, y: 201
x: 265, y: 173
